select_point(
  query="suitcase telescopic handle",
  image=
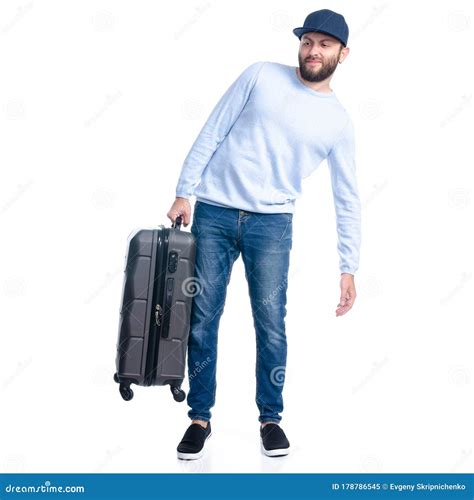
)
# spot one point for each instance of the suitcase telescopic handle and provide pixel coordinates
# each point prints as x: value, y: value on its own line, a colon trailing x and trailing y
x: 177, y: 223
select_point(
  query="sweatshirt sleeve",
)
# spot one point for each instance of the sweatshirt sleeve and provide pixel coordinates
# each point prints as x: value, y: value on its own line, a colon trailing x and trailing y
x: 342, y: 167
x: 214, y: 131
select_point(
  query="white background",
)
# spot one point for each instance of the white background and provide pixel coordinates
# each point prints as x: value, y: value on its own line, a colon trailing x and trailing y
x: 100, y: 102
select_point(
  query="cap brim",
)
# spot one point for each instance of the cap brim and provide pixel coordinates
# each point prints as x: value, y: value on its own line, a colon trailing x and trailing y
x: 299, y: 32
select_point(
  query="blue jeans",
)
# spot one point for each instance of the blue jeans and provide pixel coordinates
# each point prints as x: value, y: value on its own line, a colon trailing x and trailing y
x: 265, y: 241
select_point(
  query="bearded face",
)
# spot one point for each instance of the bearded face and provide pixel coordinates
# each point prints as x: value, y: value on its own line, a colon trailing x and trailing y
x: 318, y: 56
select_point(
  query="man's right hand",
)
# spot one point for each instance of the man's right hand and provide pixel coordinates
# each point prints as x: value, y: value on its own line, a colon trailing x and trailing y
x: 181, y: 206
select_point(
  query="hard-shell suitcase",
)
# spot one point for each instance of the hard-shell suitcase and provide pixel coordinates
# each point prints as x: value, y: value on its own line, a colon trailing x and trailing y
x: 157, y: 293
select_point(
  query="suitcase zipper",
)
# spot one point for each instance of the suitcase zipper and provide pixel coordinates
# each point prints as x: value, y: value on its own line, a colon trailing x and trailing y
x: 158, y: 312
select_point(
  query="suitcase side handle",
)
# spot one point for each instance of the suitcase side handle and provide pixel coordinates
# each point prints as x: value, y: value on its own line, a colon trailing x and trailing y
x: 177, y: 222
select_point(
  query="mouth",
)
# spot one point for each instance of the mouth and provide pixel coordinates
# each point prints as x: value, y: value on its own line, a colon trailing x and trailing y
x: 313, y: 62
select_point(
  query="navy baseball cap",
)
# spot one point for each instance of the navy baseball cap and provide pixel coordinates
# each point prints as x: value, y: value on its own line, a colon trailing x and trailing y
x: 325, y: 21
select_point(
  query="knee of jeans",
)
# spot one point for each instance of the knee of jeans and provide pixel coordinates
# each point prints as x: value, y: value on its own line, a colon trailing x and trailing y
x: 271, y: 304
x: 202, y: 339
x: 274, y: 343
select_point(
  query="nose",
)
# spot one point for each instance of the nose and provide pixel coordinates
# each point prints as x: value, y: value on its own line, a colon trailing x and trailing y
x: 314, y: 53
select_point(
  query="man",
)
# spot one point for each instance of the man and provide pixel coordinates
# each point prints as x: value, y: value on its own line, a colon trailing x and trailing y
x: 272, y: 128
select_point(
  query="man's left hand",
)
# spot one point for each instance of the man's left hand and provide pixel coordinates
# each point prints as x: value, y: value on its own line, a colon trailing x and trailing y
x: 348, y: 294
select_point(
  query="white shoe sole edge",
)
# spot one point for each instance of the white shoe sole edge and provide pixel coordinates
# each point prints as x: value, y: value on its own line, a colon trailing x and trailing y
x: 274, y: 453
x: 194, y: 456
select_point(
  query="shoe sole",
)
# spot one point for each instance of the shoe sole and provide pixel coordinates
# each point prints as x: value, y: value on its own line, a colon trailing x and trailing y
x: 279, y: 452
x: 194, y: 456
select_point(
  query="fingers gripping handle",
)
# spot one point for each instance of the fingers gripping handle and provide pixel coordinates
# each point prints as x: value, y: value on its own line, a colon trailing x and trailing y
x: 177, y: 223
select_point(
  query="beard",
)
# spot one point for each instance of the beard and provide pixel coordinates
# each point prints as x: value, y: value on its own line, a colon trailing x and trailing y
x: 319, y: 73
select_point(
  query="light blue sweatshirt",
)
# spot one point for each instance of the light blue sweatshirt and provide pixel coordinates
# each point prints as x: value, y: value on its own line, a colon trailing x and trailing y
x: 267, y: 133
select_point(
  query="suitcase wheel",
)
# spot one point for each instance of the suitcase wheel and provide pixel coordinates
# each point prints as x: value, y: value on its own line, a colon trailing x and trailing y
x: 116, y: 378
x: 178, y: 394
x: 126, y: 392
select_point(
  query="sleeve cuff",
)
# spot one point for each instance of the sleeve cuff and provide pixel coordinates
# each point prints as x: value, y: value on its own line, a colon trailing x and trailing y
x: 182, y: 194
x: 348, y: 271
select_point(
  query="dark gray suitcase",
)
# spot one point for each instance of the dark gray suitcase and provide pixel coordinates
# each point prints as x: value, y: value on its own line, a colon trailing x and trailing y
x: 157, y: 295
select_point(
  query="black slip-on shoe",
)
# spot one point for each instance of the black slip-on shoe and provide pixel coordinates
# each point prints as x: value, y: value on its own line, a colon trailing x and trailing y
x: 273, y: 440
x: 194, y: 439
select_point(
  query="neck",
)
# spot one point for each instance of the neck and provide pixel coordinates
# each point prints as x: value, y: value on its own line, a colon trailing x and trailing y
x: 318, y: 86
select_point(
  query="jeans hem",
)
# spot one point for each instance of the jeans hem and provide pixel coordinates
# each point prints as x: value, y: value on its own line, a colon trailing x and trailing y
x: 264, y: 420
x: 197, y: 417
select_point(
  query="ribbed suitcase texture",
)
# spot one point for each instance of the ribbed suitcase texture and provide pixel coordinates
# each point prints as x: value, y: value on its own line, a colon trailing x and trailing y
x: 157, y: 293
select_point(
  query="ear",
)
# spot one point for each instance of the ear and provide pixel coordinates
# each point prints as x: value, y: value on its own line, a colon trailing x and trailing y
x: 344, y: 53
